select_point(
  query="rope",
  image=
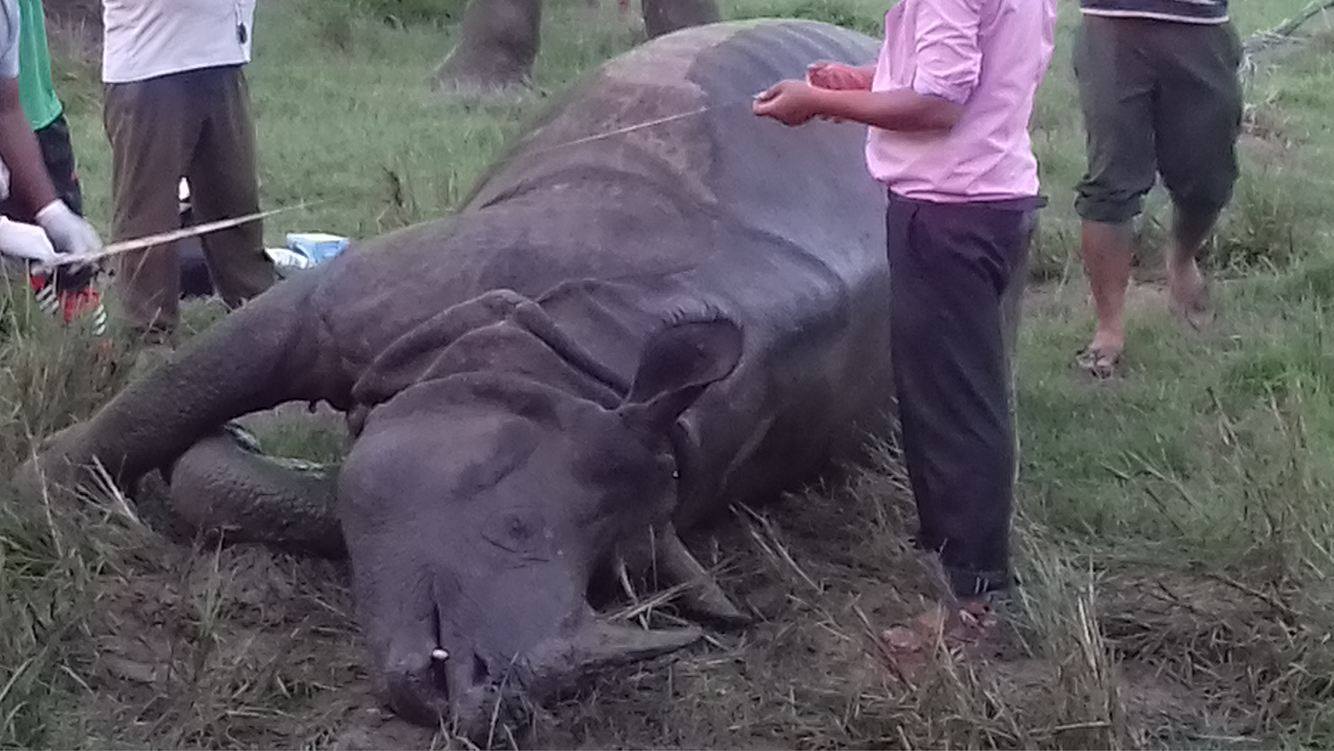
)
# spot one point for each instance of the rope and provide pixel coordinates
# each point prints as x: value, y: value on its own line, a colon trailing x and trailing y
x: 644, y: 125
x: 162, y: 238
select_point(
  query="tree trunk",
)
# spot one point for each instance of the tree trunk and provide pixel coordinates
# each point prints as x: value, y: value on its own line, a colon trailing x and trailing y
x: 665, y: 16
x: 497, y: 45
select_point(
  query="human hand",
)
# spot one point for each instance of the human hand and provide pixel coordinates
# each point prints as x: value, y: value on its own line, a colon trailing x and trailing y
x: 791, y: 103
x: 69, y: 232
x: 25, y: 241
x: 839, y: 77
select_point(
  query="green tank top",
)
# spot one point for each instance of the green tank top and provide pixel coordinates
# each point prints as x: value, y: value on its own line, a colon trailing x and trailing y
x: 37, y: 92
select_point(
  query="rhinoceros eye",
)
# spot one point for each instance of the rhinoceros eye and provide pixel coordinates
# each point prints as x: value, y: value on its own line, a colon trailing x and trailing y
x: 516, y: 531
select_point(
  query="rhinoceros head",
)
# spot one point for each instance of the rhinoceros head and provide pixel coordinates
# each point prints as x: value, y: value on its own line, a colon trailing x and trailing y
x: 478, y: 507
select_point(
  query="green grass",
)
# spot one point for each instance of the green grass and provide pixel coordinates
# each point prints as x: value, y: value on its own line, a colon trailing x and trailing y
x: 1175, y: 523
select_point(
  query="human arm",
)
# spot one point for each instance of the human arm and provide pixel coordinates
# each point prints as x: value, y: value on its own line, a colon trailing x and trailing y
x: 796, y: 103
x: 29, y: 182
x: 942, y: 72
x: 837, y: 76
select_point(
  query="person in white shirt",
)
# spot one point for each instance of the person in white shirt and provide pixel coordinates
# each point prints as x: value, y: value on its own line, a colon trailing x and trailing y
x: 58, y: 228
x: 177, y: 105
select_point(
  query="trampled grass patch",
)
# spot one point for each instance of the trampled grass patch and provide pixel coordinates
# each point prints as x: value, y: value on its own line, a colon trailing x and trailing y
x: 1174, y: 523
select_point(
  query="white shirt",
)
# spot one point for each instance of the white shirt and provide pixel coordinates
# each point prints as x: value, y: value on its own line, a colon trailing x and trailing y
x: 9, y: 64
x: 149, y: 38
x: 9, y: 39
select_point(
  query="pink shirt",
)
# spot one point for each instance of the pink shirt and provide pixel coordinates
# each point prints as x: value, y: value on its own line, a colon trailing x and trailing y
x: 988, y: 55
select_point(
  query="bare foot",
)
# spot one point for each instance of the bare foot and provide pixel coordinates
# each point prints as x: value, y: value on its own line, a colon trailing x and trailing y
x: 1189, y: 294
x: 908, y: 646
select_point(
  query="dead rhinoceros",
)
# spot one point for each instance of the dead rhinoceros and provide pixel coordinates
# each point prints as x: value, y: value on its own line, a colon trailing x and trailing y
x: 613, y: 335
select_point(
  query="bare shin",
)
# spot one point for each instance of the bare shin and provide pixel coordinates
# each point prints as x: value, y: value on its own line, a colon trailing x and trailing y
x: 1108, y: 251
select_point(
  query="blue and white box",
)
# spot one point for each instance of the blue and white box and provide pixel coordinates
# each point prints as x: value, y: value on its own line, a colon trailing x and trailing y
x: 319, y: 247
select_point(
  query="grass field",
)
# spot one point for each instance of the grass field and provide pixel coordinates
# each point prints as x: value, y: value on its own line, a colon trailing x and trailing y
x: 1175, y: 532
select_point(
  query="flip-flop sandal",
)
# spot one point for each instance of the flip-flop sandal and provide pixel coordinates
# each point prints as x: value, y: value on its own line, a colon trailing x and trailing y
x: 1097, y: 363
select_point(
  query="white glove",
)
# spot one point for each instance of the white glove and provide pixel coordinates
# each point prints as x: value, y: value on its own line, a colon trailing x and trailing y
x: 68, y: 231
x: 26, y: 241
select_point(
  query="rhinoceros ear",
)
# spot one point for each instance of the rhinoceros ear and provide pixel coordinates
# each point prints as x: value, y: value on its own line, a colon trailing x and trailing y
x: 677, y: 365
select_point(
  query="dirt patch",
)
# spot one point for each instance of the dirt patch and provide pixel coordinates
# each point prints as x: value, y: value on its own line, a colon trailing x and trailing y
x: 224, y: 647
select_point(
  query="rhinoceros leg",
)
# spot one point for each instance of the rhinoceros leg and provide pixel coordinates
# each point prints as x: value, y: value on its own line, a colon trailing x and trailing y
x: 703, y: 596
x: 222, y: 488
x: 273, y: 350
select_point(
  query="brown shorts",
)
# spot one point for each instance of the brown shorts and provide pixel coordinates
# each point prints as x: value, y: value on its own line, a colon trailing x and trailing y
x: 1159, y: 97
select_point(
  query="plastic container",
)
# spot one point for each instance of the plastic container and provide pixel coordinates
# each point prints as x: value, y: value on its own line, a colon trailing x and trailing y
x: 319, y: 247
x: 287, y: 261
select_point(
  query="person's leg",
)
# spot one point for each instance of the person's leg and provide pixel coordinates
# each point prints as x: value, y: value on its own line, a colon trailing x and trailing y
x: 1108, y: 251
x: 951, y: 269
x: 58, y: 154
x: 1186, y: 285
x: 1116, y: 90
x: 1198, y: 121
x: 152, y: 126
x: 224, y: 184
x: 1012, y: 303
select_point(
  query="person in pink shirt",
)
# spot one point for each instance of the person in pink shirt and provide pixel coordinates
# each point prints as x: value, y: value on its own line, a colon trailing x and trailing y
x: 948, y: 107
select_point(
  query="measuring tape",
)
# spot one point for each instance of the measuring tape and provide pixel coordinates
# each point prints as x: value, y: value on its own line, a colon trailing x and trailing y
x: 643, y: 125
x: 162, y: 238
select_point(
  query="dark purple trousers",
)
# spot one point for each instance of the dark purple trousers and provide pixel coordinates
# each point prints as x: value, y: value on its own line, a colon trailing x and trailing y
x: 957, y: 274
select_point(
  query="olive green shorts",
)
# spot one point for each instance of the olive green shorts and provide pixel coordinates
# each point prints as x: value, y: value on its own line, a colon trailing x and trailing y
x: 1159, y: 98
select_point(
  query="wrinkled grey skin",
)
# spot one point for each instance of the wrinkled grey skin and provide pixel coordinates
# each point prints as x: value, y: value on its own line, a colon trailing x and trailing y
x: 610, y: 338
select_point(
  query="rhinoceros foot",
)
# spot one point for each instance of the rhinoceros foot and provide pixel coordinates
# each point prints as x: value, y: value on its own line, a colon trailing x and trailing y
x: 62, y: 465
x: 223, y: 488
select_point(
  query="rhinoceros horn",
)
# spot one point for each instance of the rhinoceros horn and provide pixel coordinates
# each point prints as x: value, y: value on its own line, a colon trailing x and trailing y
x: 601, y: 644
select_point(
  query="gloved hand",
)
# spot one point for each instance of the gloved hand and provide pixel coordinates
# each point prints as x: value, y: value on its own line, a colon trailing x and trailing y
x: 25, y: 241
x: 69, y: 232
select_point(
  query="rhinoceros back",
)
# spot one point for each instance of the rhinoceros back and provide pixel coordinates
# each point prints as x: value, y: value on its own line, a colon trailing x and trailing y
x: 700, y: 149
x: 659, y: 201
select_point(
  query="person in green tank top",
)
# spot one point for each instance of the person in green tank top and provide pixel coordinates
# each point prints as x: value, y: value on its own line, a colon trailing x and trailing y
x: 37, y: 92
x: 71, y: 293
